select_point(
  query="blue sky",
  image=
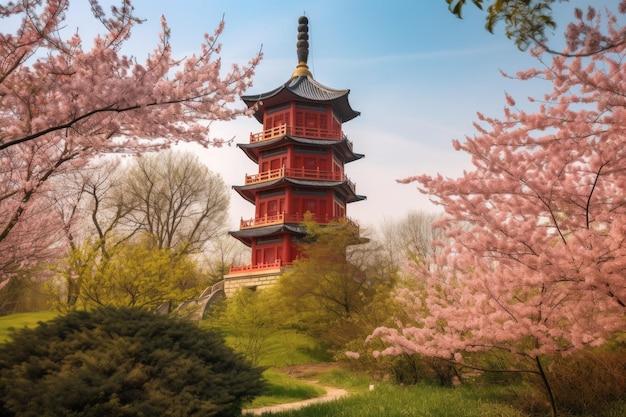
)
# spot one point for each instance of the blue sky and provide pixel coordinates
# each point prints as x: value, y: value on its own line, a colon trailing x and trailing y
x: 416, y: 73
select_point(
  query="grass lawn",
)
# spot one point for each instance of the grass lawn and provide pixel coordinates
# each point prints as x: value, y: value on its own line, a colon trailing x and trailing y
x: 432, y: 401
x: 19, y: 321
x: 418, y: 401
x: 293, y: 361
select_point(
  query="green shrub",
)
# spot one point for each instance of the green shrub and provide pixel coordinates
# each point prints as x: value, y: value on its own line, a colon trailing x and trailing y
x: 122, y: 362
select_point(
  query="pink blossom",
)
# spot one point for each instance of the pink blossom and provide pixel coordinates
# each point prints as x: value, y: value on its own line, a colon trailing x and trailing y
x: 536, y: 229
x: 66, y: 106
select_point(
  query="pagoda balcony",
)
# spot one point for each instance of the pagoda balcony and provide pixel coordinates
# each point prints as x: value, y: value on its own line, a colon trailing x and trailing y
x: 300, y: 173
x: 297, y: 131
x: 282, y: 218
x: 258, y: 268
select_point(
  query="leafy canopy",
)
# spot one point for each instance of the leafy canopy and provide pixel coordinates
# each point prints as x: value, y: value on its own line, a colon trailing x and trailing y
x: 132, y: 274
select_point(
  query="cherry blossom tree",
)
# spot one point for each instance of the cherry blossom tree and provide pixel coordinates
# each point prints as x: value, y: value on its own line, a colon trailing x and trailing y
x: 62, y: 104
x: 536, y: 261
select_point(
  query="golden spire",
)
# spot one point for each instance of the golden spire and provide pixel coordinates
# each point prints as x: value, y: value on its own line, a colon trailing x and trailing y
x: 302, y: 69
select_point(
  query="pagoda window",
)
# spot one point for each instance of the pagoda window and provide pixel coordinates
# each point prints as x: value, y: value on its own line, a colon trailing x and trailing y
x: 310, y: 163
x: 311, y: 159
x: 310, y: 205
x: 276, y: 163
x: 268, y: 249
x: 270, y: 203
x: 312, y: 120
x: 269, y: 255
x: 272, y: 207
x: 273, y: 160
x: 277, y: 116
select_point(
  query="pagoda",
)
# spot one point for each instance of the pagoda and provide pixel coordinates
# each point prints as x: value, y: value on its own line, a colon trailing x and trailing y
x: 301, y: 154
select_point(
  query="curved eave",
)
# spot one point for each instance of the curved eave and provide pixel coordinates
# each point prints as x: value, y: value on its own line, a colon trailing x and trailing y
x: 302, y: 88
x: 248, y: 192
x: 246, y: 235
x: 341, y: 145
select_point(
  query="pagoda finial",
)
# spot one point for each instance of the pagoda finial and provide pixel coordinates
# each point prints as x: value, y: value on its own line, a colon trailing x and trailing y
x: 302, y: 69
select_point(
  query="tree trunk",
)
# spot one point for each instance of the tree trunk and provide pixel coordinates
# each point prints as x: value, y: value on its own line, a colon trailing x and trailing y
x: 546, y: 385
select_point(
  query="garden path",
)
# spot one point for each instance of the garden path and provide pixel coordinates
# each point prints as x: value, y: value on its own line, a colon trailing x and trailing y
x: 304, y: 372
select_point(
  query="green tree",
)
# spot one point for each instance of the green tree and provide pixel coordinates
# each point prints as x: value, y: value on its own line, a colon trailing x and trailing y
x: 329, y: 292
x: 131, y: 274
x: 163, y: 207
x: 250, y: 321
x: 122, y: 362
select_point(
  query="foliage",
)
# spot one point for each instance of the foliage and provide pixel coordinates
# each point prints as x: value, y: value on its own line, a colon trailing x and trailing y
x: 170, y: 200
x: 62, y: 105
x: 123, y: 362
x: 587, y: 379
x: 526, y: 20
x: 249, y: 320
x: 327, y: 293
x: 131, y: 274
x: 536, y: 257
x: 526, y: 23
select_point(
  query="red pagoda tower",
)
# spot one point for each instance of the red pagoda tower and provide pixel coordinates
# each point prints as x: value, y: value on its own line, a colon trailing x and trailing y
x: 301, y: 153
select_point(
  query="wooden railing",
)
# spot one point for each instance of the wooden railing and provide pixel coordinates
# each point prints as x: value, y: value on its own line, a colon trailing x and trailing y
x: 282, y: 218
x: 246, y: 269
x: 311, y: 174
x: 298, y: 131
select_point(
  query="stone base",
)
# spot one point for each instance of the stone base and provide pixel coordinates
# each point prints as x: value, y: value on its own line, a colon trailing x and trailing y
x: 253, y: 280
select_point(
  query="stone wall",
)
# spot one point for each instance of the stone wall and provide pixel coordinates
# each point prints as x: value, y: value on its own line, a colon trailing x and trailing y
x: 253, y: 280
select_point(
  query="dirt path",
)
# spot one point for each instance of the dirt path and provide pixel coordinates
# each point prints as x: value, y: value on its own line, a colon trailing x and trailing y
x: 331, y: 394
x: 308, y: 373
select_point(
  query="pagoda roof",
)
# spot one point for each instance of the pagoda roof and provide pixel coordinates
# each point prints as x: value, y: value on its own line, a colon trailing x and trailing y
x: 248, y: 192
x: 342, y: 145
x: 302, y: 88
x: 246, y: 235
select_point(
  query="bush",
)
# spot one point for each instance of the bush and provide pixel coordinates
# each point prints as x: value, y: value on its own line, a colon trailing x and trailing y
x: 122, y: 362
x: 589, y: 379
